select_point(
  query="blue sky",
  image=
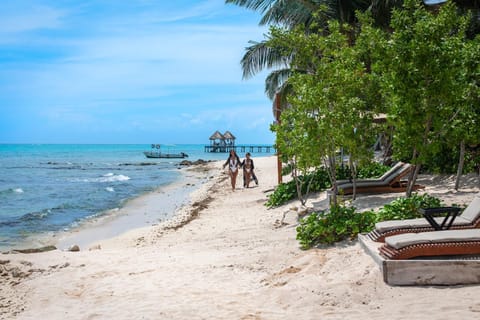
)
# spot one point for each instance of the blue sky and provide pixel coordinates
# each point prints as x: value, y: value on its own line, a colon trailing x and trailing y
x: 137, y: 71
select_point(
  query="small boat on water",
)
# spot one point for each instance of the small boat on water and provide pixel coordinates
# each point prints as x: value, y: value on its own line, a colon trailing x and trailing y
x: 156, y: 153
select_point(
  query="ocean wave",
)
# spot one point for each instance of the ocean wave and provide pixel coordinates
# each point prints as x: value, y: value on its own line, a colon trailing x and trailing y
x: 110, y: 189
x: 30, y: 218
x: 33, y: 216
x: 109, y: 177
x: 12, y: 190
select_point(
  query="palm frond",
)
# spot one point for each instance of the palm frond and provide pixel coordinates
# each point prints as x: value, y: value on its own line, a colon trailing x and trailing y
x: 260, y: 56
x: 275, y: 81
x: 256, y: 5
x: 289, y: 13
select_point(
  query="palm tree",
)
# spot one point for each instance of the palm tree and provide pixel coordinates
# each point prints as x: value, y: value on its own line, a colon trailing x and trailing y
x: 259, y: 55
x: 291, y: 13
x: 285, y: 12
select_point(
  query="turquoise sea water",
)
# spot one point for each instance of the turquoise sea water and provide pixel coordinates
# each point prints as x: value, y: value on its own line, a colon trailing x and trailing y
x: 49, y: 188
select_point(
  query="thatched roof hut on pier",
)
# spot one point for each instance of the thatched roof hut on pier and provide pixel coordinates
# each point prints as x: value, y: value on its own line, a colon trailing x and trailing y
x: 226, y: 142
x: 217, y: 139
x: 221, y: 142
x: 226, y: 139
x: 229, y: 138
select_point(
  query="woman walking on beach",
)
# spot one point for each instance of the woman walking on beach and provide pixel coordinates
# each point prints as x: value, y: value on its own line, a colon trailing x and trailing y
x: 248, y: 167
x: 233, y: 163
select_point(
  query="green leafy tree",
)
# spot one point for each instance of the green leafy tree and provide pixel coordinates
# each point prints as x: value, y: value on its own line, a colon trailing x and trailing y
x: 331, y: 102
x: 421, y: 77
x: 297, y: 148
x: 465, y: 129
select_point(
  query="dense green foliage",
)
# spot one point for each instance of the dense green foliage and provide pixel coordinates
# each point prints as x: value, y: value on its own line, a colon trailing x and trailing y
x: 444, y: 159
x: 338, y: 224
x: 344, y: 222
x: 407, y: 208
x: 426, y: 79
x: 320, y: 181
x: 284, y: 192
x: 335, y: 66
x: 372, y: 170
x: 422, y: 73
x: 287, y: 169
x: 332, y: 103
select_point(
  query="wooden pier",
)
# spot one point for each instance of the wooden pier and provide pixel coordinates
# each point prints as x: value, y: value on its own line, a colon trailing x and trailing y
x: 240, y: 148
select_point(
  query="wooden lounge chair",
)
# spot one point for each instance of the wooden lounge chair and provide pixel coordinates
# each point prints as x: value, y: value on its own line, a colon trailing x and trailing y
x: 429, y: 244
x: 390, y: 181
x: 470, y: 218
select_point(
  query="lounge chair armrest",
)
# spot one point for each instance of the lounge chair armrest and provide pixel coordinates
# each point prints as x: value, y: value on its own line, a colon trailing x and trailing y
x: 447, y: 222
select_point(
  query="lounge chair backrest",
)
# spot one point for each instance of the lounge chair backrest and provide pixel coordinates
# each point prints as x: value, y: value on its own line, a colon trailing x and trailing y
x: 472, y: 212
x: 399, y: 173
x: 391, y: 170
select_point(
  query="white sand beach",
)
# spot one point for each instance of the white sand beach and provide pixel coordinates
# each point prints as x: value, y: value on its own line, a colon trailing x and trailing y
x: 226, y: 256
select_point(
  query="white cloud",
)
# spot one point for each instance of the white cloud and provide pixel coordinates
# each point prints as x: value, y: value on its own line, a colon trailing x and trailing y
x: 34, y: 17
x: 113, y: 66
x: 177, y: 66
x: 203, y: 9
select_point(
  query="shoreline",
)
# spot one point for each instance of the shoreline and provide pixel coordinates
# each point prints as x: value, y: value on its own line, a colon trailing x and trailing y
x: 194, y: 201
x: 149, y: 209
x: 226, y: 256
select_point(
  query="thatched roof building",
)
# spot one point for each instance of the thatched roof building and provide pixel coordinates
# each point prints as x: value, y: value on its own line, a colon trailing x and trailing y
x: 217, y: 139
x: 228, y: 135
x: 217, y: 136
x: 229, y: 138
x: 226, y: 139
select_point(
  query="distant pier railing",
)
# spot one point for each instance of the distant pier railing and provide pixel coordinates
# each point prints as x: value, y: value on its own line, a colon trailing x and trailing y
x: 240, y: 148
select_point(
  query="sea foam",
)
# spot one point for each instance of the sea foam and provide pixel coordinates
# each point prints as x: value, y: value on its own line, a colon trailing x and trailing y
x: 110, y: 177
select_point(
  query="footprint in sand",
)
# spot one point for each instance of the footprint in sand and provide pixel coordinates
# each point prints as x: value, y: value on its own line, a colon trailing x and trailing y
x: 290, y: 269
x: 276, y: 279
x: 475, y: 308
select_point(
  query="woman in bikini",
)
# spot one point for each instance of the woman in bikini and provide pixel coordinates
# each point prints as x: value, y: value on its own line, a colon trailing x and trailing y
x: 233, y: 163
x: 248, y: 166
